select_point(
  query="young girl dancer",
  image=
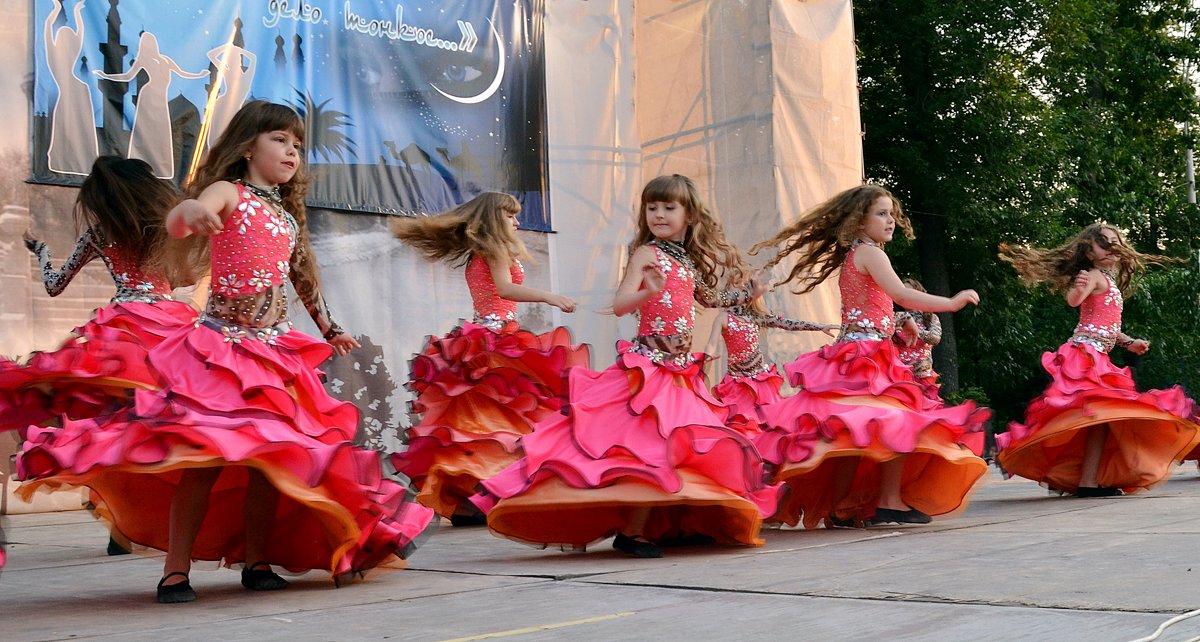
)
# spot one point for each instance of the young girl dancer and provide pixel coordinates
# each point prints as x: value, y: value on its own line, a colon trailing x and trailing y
x: 488, y: 382
x: 642, y: 450
x: 860, y: 442
x: 750, y: 382
x: 1091, y: 432
x: 242, y: 419
x: 121, y: 209
x: 916, y: 334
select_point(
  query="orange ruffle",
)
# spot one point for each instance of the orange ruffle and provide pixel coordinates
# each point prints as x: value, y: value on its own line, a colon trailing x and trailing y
x: 1148, y: 431
x: 479, y: 391
x: 237, y: 406
x: 872, y: 411
x: 637, y: 436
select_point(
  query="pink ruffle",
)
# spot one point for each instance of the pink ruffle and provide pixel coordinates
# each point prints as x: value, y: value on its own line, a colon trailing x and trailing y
x: 1080, y: 376
x: 94, y: 371
x: 237, y: 405
x: 478, y: 392
x: 743, y: 396
x: 860, y: 368
x: 634, y: 422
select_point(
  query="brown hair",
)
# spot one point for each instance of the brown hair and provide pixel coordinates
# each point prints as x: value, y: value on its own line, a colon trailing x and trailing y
x: 824, y: 235
x: 226, y: 161
x: 1058, y: 266
x: 125, y: 204
x: 704, y: 240
x: 478, y: 227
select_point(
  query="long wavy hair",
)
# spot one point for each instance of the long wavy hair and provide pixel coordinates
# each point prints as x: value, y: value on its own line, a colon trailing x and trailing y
x: 823, y: 236
x: 226, y: 161
x: 478, y: 227
x: 1058, y: 266
x: 125, y: 204
x: 704, y: 239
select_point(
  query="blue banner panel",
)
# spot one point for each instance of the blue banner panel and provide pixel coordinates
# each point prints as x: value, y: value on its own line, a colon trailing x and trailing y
x: 410, y: 107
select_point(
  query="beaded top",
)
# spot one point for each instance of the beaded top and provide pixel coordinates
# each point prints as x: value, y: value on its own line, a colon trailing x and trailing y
x: 1100, y: 318
x: 491, y: 310
x: 134, y: 284
x: 866, y: 308
x: 250, y: 262
x: 741, y: 343
x: 919, y: 356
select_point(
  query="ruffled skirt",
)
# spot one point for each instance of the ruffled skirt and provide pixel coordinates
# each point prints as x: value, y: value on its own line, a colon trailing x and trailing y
x: 861, y: 407
x: 640, y: 442
x: 744, y: 397
x: 93, y: 372
x: 1148, y: 431
x: 242, y: 405
x: 478, y: 391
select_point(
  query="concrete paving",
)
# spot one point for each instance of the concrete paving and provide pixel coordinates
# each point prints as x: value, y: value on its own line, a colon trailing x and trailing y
x: 1016, y: 565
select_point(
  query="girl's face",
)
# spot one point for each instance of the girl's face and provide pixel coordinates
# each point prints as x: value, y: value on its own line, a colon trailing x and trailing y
x: 273, y: 158
x: 511, y: 218
x: 879, y: 223
x: 667, y: 220
x: 1100, y: 257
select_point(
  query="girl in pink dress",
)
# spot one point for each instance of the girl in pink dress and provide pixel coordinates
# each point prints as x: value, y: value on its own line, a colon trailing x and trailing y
x: 750, y: 383
x: 1091, y: 432
x: 861, y: 442
x: 488, y: 382
x: 641, y: 450
x: 242, y: 456
x: 121, y: 207
x: 916, y: 334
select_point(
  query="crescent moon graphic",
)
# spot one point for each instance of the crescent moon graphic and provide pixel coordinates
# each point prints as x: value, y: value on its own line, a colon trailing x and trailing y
x: 491, y: 89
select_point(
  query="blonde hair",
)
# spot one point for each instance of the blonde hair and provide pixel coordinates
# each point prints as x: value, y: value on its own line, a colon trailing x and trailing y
x: 704, y: 239
x: 1058, y: 266
x: 823, y: 236
x: 478, y: 227
x: 226, y: 161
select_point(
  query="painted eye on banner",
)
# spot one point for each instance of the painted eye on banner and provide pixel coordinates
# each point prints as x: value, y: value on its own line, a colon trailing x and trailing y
x: 461, y: 73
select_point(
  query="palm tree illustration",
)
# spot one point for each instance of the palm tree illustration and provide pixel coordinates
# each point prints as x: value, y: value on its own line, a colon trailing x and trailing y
x: 324, y: 128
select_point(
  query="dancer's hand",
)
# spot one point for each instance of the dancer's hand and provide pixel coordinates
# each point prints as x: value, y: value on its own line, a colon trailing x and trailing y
x: 964, y: 297
x: 831, y: 329
x: 1082, y: 280
x: 564, y: 303
x: 653, y: 278
x: 199, y: 219
x: 1139, y: 346
x: 343, y: 343
x: 910, y: 332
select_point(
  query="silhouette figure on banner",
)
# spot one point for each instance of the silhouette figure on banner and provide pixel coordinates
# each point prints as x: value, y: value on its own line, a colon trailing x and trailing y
x: 73, y: 144
x: 151, y: 138
x: 232, y: 80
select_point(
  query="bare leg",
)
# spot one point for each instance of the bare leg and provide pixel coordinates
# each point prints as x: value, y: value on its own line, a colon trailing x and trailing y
x: 1092, y: 450
x: 637, y: 522
x: 890, y: 473
x: 262, y: 498
x: 188, y: 507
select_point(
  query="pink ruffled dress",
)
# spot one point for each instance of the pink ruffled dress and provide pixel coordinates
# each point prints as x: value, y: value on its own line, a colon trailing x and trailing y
x: 1149, y: 431
x: 859, y: 401
x: 94, y: 371
x: 750, y: 382
x: 643, y: 434
x: 479, y: 389
x: 241, y: 390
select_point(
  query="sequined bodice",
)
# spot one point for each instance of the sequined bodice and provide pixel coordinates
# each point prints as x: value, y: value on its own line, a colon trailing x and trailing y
x: 133, y: 283
x: 250, y: 262
x: 741, y: 341
x: 918, y: 356
x: 1100, y: 318
x: 671, y: 311
x: 490, y: 309
x: 866, y: 308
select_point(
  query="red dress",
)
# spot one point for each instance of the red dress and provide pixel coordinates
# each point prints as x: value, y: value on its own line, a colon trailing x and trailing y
x: 1149, y: 431
x: 858, y: 400
x: 479, y: 389
x: 241, y: 390
x: 643, y: 434
x: 94, y: 371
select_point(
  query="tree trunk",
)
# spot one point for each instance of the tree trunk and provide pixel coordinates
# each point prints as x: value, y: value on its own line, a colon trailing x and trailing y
x: 935, y: 275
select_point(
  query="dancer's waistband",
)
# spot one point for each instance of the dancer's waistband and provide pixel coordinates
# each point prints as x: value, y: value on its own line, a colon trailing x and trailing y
x: 234, y: 333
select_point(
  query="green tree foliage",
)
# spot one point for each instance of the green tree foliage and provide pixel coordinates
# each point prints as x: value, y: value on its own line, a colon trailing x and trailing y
x: 1020, y: 121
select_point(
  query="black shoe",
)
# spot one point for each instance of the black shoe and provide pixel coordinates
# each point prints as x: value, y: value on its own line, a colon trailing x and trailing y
x: 116, y: 549
x: 833, y: 521
x: 695, y: 539
x: 262, y: 579
x: 1098, y: 491
x: 891, y: 516
x: 478, y: 519
x: 175, y: 593
x: 636, y: 547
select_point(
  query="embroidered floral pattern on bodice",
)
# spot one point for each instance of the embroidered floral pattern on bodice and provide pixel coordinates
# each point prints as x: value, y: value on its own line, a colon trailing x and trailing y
x: 866, y: 308
x: 491, y: 311
x: 1100, y: 318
